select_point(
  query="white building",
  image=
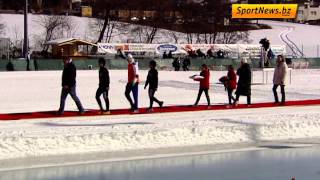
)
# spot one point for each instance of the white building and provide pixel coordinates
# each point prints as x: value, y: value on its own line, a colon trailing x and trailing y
x: 308, y: 12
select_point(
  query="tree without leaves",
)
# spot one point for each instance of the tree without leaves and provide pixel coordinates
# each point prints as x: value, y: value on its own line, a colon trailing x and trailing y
x: 102, y: 11
x: 219, y: 37
x: 144, y: 34
x: 174, y: 36
x: 96, y: 26
x: 16, y: 41
x: 55, y: 27
x: 151, y: 34
x: 2, y: 27
x: 234, y: 37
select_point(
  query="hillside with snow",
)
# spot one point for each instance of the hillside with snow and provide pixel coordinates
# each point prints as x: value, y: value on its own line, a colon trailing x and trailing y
x: 304, y: 36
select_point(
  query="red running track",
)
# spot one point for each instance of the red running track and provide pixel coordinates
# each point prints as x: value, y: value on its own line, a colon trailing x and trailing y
x: 167, y: 109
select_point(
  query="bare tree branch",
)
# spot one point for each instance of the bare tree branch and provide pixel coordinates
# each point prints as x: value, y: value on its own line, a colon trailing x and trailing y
x: 2, y: 27
x: 55, y: 27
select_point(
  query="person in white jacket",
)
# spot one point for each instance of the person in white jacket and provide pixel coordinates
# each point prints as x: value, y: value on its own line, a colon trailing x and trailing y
x: 279, y: 79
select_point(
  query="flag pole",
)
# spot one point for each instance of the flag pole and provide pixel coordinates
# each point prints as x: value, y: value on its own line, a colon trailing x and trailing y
x: 25, y: 43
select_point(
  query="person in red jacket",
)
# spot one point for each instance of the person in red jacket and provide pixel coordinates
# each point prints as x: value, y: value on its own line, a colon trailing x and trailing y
x: 133, y: 83
x: 204, y: 84
x: 231, y: 83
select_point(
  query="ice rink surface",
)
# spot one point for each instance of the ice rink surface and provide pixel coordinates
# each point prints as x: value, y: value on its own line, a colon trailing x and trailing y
x: 40, y: 91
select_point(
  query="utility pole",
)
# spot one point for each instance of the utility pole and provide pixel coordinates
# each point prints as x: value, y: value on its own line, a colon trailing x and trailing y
x: 26, y: 42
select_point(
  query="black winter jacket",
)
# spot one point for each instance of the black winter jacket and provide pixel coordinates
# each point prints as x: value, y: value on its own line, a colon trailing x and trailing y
x: 69, y: 75
x: 244, y: 83
x: 104, y: 79
x: 152, y: 79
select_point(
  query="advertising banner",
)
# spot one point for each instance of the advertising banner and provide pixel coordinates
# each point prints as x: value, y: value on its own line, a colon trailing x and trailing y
x: 231, y: 50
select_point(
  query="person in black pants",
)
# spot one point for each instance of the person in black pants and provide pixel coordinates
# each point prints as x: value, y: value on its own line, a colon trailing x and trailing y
x: 69, y: 86
x: 103, y: 89
x: 152, y: 81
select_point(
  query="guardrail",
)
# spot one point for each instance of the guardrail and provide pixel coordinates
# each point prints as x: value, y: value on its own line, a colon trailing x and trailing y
x: 164, y: 64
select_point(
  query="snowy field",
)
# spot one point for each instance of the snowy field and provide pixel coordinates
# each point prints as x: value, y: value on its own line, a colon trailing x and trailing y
x: 40, y: 91
x: 304, y: 36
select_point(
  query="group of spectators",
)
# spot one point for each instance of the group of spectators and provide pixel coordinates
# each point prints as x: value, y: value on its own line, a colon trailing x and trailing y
x: 178, y: 62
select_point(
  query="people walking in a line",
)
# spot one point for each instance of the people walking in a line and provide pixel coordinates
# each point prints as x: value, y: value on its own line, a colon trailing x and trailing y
x: 133, y: 83
x: 231, y: 84
x: 103, y: 89
x: 152, y: 81
x: 204, y: 84
x: 69, y: 85
x: 244, y: 82
x: 279, y: 79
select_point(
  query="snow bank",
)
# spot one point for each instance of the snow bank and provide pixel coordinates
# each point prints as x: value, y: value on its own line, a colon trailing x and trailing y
x: 73, y: 136
x: 39, y: 91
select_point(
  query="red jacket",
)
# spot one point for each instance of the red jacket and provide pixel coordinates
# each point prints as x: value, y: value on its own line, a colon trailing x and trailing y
x: 132, y: 73
x: 232, y: 80
x: 205, y: 82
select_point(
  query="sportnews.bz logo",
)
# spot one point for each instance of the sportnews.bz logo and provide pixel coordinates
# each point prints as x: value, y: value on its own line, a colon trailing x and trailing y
x: 255, y: 11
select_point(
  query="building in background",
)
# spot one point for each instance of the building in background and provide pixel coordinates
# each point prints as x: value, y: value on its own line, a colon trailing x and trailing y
x: 70, y: 47
x: 309, y: 13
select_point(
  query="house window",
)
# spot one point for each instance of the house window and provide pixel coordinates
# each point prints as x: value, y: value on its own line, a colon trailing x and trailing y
x: 314, y: 13
x: 300, y: 12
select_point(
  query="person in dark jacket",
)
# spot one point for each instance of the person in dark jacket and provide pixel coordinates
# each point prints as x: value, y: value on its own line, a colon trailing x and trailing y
x: 204, y: 84
x: 164, y: 55
x: 244, y: 83
x: 152, y: 81
x: 210, y: 53
x: 170, y: 56
x: 176, y: 64
x: 231, y: 83
x: 69, y: 86
x: 103, y: 89
x: 186, y: 63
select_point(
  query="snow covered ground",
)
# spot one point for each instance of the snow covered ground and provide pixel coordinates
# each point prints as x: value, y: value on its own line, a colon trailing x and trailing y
x: 39, y: 91
x: 301, y: 34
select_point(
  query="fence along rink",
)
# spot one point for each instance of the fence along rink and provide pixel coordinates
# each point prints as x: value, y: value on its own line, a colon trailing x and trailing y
x: 252, y: 51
